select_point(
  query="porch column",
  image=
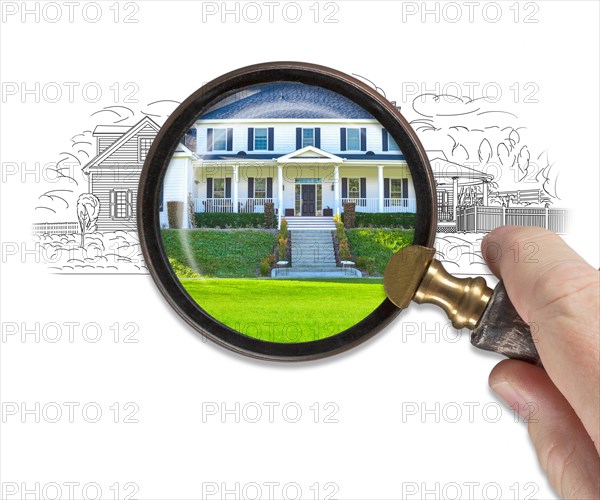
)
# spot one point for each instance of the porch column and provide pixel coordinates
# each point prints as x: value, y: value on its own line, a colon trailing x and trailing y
x: 380, y: 189
x: 280, y: 193
x: 454, y: 196
x: 234, y: 188
x: 336, y: 189
x: 485, y: 193
x: 185, y: 221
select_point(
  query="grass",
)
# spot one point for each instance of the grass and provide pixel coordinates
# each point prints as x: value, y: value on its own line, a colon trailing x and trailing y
x: 219, y: 253
x: 372, y: 248
x: 287, y: 310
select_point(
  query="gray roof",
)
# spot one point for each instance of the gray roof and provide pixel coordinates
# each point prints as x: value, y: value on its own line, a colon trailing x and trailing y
x: 288, y: 100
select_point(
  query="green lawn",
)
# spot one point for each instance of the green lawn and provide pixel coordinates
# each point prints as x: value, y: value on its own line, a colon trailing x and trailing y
x: 287, y: 310
x: 372, y: 248
x: 220, y: 253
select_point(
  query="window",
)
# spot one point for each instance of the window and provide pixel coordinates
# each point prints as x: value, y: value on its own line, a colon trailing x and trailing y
x: 219, y: 188
x: 219, y: 139
x: 353, y: 139
x: 144, y: 144
x: 396, y: 188
x: 308, y: 137
x: 260, y: 188
x: 353, y: 187
x: 121, y: 203
x: 260, y: 139
x: 392, y: 145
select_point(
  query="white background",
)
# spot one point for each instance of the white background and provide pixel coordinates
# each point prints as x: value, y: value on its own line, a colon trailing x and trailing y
x: 376, y: 449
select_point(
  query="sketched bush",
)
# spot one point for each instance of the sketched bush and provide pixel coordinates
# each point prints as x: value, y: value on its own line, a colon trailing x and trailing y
x: 175, y: 214
x: 88, y: 208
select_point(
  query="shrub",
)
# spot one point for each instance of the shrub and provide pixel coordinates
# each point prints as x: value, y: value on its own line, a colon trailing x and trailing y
x: 344, y: 250
x: 389, y: 220
x: 377, y: 245
x: 175, y: 214
x: 228, y: 220
x: 265, y: 266
x: 270, y: 221
x: 282, y: 240
x: 367, y: 264
x: 349, y: 214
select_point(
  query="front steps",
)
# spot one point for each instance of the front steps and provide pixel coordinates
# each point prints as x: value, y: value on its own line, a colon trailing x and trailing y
x: 310, y: 223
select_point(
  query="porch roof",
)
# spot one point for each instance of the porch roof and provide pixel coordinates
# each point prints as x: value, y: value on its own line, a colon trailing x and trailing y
x: 444, y: 172
x: 241, y: 156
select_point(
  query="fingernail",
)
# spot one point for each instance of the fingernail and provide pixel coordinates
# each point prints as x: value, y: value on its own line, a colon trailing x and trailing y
x: 513, y: 398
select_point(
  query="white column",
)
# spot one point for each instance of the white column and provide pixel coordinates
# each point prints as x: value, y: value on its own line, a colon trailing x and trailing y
x: 485, y: 193
x: 336, y: 189
x: 454, y: 197
x: 280, y: 192
x: 185, y: 221
x: 234, y: 188
x: 380, y: 190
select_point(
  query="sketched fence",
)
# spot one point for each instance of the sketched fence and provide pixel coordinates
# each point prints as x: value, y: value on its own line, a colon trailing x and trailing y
x: 471, y: 219
x: 55, y: 228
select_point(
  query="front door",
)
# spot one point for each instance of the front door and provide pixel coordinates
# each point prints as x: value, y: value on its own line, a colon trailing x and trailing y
x: 309, y: 199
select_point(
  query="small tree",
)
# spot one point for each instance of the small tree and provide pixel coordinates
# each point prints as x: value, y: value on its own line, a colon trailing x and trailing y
x: 88, y: 208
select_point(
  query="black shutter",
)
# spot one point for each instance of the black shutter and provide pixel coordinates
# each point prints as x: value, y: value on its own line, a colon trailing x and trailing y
x: 298, y: 138
x: 250, y: 139
x: 228, y: 187
x: 343, y: 139
x: 363, y: 187
x: 405, y: 191
x: 363, y: 139
x: 161, y: 194
x: 318, y: 137
x: 229, y: 139
x: 209, y: 187
x: 209, y: 139
x: 250, y: 187
x: 269, y: 187
x: 344, y: 187
x: 384, y: 140
x: 386, y: 192
x: 271, y: 140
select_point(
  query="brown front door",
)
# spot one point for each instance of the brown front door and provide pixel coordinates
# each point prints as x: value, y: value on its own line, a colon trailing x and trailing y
x: 309, y: 199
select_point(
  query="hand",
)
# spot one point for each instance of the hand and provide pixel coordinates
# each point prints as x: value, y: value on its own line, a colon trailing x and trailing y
x: 558, y: 294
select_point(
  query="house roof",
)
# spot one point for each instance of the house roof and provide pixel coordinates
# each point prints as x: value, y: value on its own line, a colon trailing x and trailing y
x: 120, y: 141
x: 445, y: 171
x: 110, y: 129
x: 288, y: 100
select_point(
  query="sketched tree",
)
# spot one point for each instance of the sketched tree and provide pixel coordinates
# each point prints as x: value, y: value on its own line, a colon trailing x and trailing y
x: 88, y: 208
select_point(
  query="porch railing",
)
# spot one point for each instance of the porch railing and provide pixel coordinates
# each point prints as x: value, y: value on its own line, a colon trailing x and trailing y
x: 226, y: 205
x: 390, y: 205
x: 484, y: 219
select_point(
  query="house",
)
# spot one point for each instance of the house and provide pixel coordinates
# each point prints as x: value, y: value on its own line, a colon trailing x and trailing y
x: 304, y: 148
x: 114, y: 173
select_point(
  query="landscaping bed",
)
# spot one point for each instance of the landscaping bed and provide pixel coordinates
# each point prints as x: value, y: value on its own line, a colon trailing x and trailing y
x: 371, y: 249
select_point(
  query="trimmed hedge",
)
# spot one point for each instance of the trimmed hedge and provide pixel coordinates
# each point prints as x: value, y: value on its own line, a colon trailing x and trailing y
x: 372, y: 248
x: 228, y: 220
x: 390, y: 220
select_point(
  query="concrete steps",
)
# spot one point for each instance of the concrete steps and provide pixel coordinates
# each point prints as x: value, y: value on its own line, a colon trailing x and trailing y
x: 313, y: 251
x: 310, y: 223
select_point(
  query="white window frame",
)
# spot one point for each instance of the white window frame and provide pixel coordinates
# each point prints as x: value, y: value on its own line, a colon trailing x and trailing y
x: 396, y: 194
x: 304, y: 144
x: 348, y: 148
x: 392, y: 144
x: 350, y: 192
x: 263, y: 190
x: 223, y: 191
x: 214, y: 139
x: 266, y: 139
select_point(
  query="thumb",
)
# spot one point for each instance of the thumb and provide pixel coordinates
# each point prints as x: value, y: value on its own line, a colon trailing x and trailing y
x: 564, y: 448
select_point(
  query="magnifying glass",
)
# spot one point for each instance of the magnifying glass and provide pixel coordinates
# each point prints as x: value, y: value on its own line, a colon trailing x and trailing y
x: 247, y: 205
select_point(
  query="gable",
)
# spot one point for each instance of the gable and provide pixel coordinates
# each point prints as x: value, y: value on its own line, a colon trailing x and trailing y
x: 126, y: 152
x: 309, y: 153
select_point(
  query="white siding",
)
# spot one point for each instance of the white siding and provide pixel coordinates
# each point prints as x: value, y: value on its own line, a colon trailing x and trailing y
x: 174, y: 187
x: 285, y: 136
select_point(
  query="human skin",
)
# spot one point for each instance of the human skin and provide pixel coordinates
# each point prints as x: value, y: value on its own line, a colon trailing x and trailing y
x: 558, y: 294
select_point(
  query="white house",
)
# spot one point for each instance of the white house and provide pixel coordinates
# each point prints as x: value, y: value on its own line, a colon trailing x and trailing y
x: 305, y: 148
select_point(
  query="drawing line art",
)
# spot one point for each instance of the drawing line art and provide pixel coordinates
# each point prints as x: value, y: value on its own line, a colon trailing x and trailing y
x: 487, y: 174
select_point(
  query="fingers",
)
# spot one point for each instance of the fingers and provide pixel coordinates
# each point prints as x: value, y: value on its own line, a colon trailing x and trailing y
x: 563, y: 446
x: 557, y: 293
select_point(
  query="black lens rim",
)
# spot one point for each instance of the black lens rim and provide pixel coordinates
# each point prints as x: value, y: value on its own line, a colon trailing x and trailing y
x: 157, y: 162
